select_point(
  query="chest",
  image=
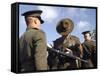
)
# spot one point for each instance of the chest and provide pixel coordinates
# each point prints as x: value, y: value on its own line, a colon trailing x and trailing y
x: 66, y: 43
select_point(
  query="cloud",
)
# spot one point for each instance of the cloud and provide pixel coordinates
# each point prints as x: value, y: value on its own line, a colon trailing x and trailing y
x: 79, y: 13
x: 72, y: 11
x: 80, y: 27
x: 49, y: 13
x: 82, y: 13
x: 82, y: 24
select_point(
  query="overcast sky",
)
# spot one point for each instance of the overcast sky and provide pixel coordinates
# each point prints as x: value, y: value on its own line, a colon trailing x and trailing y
x: 84, y: 19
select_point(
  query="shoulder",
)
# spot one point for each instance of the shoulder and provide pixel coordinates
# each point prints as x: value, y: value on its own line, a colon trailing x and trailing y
x: 89, y: 42
x: 58, y: 40
x: 34, y: 32
x: 75, y: 38
x: 38, y: 34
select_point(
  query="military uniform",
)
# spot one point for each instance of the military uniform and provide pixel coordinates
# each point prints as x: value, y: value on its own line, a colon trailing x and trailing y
x: 33, y: 50
x: 32, y: 46
x: 64, y: 27
x: 72, y: 43
x: 89, y: 52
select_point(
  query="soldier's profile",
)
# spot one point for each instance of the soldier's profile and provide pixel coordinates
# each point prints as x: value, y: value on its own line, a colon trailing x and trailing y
x: 32, y: 44
x: 89, y: 51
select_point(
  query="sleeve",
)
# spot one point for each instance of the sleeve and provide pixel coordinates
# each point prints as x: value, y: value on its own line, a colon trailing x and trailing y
x: 78, y: 46
x: 40, y: 51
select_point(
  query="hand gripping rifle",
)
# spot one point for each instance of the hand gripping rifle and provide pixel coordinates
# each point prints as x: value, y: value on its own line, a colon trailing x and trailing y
x: 65, y: 53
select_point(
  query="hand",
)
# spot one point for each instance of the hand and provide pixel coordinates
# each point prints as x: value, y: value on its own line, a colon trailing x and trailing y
x: 68, y: 51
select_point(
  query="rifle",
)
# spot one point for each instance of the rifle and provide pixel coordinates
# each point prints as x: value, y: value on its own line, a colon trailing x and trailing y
x: 65, y: 54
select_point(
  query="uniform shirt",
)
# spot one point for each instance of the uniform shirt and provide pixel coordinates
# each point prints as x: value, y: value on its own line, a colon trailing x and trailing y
x: 33, y: 52
x: 88, y: 48
x: 89, y: 54
x: 71, y: 42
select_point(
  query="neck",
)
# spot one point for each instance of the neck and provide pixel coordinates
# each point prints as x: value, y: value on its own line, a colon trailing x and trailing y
x: 66, y: 36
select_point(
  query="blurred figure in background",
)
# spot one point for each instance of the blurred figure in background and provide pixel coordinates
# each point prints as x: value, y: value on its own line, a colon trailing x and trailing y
x: 89, y: 51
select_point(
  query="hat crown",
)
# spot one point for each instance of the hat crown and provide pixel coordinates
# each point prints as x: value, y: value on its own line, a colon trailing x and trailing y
x: 65, y: 26
x: 85, y: 32
x: 32, y: 12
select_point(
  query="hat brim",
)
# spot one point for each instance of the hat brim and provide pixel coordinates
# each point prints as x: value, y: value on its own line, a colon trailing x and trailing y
x: 62, y: 27
x: 85, y: 32
x: 32, y: 12
x: 41, y: 21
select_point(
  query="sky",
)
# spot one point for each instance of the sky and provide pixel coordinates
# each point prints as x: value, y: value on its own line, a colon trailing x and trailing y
x: 84, y: 19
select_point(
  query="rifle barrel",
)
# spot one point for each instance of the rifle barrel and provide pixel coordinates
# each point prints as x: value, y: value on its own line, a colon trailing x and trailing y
x: 71, y: 56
